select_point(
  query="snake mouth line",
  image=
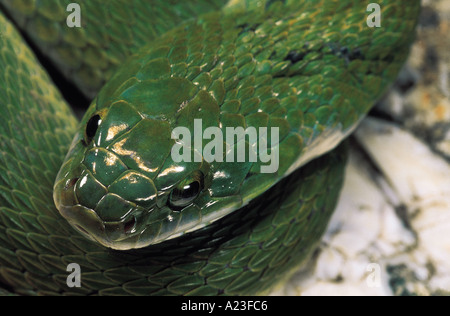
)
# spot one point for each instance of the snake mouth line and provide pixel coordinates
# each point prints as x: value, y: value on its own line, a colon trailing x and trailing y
x: 81, y: 229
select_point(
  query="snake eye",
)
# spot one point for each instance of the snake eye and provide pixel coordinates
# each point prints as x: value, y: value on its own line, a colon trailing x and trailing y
x: 92, y: 127
x: 186, y: 191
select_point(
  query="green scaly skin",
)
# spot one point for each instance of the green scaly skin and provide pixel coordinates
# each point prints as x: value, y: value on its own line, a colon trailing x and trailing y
x: 110, y: 31
x: 311, y: 68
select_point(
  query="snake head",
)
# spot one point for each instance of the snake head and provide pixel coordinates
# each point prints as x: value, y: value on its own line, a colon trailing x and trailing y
x: 121, y: 186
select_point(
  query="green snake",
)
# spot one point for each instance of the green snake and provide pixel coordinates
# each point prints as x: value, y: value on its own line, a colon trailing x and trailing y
x: 136, y: 220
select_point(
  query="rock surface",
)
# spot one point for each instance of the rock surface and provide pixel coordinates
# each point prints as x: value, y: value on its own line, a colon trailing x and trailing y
x: 390, y: 234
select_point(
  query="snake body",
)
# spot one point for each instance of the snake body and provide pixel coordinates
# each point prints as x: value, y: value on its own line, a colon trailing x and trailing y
x: 155, y: 226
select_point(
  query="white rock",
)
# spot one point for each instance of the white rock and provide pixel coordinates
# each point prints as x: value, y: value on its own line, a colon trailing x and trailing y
x: 329, y: 264
x: 408, y: 164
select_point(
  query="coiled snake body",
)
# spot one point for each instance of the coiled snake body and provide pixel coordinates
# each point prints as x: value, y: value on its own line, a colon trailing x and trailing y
x: 156, y: 225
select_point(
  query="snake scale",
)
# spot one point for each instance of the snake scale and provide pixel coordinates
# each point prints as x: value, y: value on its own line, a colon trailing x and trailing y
x: 156, y: 225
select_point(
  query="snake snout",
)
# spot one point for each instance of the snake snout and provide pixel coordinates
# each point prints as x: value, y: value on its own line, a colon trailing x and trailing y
x: 112, y: 234
x: 85, y: 220
x: 103, y: 216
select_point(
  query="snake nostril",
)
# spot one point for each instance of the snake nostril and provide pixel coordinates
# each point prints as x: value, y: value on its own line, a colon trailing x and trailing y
x: 129, y: 226
x: 71, y: 183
